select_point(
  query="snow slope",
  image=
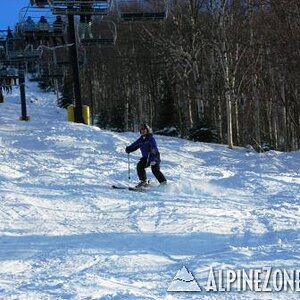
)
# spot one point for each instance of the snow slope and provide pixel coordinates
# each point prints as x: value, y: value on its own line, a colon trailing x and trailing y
x: 65, y: 234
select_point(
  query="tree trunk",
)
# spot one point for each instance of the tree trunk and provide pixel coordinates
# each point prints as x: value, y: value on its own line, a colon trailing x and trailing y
x: 228, y: 98
x: 229, y: 119
x: 256, y: 111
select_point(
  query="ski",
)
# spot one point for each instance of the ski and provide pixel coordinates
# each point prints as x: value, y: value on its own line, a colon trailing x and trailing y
x: 130, y: 188
x: 135, y: 189
x: 120, y: 187
x: 144, y: 188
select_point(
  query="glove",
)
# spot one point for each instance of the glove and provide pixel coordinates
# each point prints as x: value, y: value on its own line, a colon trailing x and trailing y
x: 127, y: 150
x: 153, y: 163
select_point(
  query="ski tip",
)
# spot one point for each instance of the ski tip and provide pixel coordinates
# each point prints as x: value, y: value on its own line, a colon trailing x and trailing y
x: 119, y: 187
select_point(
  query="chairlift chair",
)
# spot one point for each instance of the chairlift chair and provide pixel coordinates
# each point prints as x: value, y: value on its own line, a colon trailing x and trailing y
x: 67, y: 63
x: 24, y: 55
x: 3, y: 73
x: 41, y: 31
x: 15, y: 50
x: 142, y: 10
x: 103, y: 33
x: 80, y: 7
x: 9, y: 73
x: 51, y: 74
x: 39, y: 3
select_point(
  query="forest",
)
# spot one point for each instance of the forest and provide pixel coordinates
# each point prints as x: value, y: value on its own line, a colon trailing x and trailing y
x: 224, y: 71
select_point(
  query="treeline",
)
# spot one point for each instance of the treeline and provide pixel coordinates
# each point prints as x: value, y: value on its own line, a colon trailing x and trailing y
x: 216, y: 70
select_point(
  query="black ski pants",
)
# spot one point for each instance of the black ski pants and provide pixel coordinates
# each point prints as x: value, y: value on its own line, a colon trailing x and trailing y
x: 142, y: 165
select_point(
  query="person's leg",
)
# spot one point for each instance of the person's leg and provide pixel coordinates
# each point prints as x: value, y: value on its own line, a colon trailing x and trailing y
x: 89, y: 26
x: 82, y: 26
x: 158, y: 174
x: 141, y: 169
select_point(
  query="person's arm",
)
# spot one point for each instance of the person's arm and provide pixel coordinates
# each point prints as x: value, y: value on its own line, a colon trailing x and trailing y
x: 134, y: 146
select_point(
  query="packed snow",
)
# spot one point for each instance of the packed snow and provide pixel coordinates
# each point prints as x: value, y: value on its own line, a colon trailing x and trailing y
x: 66, y: 234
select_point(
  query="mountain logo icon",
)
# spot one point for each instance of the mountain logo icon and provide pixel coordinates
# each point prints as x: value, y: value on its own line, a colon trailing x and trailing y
x: 184, y: 281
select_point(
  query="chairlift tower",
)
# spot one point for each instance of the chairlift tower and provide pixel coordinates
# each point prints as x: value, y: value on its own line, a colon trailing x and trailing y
x: 70, y: 8
x: 128, y: 11
x: 16, y: 55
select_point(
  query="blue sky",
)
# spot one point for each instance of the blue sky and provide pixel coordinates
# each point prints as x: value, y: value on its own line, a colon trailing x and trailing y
x: 9, y: 13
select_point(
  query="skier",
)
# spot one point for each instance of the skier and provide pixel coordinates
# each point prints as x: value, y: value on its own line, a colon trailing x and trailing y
x: 29, y: 31
x: 43, y: 30
x: 85, y: 22
x: 150, y: 156
x: 58, y: 31
x: 39, y: 3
